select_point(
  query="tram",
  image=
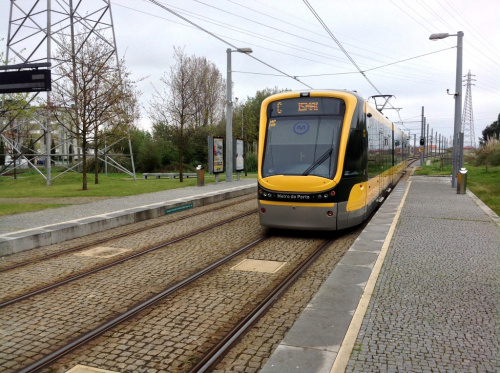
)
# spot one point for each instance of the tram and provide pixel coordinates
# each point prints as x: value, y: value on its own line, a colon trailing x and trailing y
x: 326, y: 159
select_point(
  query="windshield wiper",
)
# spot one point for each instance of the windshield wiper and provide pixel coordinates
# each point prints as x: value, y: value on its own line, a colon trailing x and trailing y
x: 320, y: 160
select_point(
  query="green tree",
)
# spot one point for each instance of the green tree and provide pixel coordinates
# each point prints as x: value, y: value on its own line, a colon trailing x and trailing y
x: 251, y: 114
x: 190, y: 101
x: 491, y: 132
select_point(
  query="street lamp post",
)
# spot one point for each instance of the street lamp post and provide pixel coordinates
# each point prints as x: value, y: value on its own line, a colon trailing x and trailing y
x: 457, y: 128
x: 229, y: 114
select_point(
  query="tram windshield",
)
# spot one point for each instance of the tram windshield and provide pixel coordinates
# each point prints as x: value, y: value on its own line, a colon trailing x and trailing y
x: 302, y: 145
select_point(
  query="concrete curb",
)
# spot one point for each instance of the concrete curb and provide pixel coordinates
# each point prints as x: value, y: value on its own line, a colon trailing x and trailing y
x: 19, y: 241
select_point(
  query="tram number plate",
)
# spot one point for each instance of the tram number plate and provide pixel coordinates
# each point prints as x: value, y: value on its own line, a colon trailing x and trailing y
x: 178, y: 208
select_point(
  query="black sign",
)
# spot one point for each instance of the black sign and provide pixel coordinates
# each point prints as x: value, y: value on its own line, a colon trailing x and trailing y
x: 25, y: 81
x: 306, y: 106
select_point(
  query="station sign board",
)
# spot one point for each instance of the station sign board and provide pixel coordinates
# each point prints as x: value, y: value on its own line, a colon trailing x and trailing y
x: 25, y: 81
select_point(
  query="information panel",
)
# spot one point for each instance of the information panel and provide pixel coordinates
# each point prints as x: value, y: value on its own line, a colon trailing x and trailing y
x: 218, y: 155
x: 240, y: 161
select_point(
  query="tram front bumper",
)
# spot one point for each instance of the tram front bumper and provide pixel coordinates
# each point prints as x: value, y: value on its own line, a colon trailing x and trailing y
x: 295, y: 216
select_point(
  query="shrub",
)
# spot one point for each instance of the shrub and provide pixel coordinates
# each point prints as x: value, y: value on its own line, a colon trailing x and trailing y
x: 489, y: 154
x: 251, y: 160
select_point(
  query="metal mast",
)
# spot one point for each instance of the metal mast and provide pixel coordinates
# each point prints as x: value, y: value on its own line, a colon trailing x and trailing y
x: 468, y: 114
x: 34, y: 27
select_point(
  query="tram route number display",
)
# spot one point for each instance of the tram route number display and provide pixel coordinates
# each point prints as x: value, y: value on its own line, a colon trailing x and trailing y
x: 306, y: 106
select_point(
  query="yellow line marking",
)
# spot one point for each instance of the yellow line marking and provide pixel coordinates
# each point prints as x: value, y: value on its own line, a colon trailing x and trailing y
x: 344, y: 354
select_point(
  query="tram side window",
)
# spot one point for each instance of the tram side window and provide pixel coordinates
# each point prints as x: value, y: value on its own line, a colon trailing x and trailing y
x: 355, y: 157
x: 374, y: 152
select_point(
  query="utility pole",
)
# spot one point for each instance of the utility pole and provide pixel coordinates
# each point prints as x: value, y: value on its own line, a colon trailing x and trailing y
x: 427, y: 142
x: 422, y: 138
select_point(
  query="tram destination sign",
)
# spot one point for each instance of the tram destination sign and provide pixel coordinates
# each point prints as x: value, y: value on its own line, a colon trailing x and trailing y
x: 25, y: 81
x: 306, y: 106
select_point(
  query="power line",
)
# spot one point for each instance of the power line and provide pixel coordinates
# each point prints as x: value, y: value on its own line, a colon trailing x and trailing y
x: 224, y: 41
x: 340, y: 45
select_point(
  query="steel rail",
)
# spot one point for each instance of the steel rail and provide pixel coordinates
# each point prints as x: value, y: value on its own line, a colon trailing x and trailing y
x: 45, y: 361
x: 220, y: 349
x: 103, y: 240
x: 11, y: 301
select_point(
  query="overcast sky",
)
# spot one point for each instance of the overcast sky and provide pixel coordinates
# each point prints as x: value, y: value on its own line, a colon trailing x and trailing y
x: 387, y: 40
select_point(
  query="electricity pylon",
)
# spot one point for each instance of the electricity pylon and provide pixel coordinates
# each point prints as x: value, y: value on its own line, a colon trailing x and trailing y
x: 468, y: 114
x: 34, y: 26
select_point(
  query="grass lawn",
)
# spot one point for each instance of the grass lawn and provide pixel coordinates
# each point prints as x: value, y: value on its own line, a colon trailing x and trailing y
x: 31, y: 185
x: 484, y: 184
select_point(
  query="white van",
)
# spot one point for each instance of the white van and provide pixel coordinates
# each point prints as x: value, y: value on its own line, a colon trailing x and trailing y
x: 21, y: 162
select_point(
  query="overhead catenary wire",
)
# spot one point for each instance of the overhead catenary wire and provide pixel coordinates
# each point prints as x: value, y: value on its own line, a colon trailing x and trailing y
x: 370, y: 57
x: 275, y: 41
x: 225, y: 41
x: 340, y: 45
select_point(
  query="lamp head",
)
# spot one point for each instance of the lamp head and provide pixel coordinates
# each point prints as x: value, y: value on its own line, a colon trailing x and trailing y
x: 245, y: 50
x: 438, y: 36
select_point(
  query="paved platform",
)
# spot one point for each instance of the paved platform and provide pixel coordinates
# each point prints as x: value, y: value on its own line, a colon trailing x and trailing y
x: 33, y: 229
x: 419, y: 291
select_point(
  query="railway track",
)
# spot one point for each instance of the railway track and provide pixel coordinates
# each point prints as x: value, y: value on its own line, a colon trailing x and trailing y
x: 92, y: 271
x: 134, y: 314
x: 43, y: 257
x: 209, y: 361
x: 55, y: 355
x: 80, y: 348
x: 63, y: 302
x: 272, y: 293
x: 36, y: 274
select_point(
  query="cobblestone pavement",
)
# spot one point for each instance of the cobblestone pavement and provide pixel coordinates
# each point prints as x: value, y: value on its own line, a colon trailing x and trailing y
x: 45, y: 272
x: 32, y: 327
x: 170, y: 336
x: 255, y: 348
x: 436, y: 306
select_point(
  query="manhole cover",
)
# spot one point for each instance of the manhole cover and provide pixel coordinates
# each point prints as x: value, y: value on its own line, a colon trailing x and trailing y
x: 84, y: 369
x: 103, y: 252
x: 252, y: 265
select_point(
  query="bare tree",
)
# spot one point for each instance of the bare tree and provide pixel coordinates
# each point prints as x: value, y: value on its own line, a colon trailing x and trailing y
x: 210, y: 89
x: 192, y: 97
x: 91, y: 94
